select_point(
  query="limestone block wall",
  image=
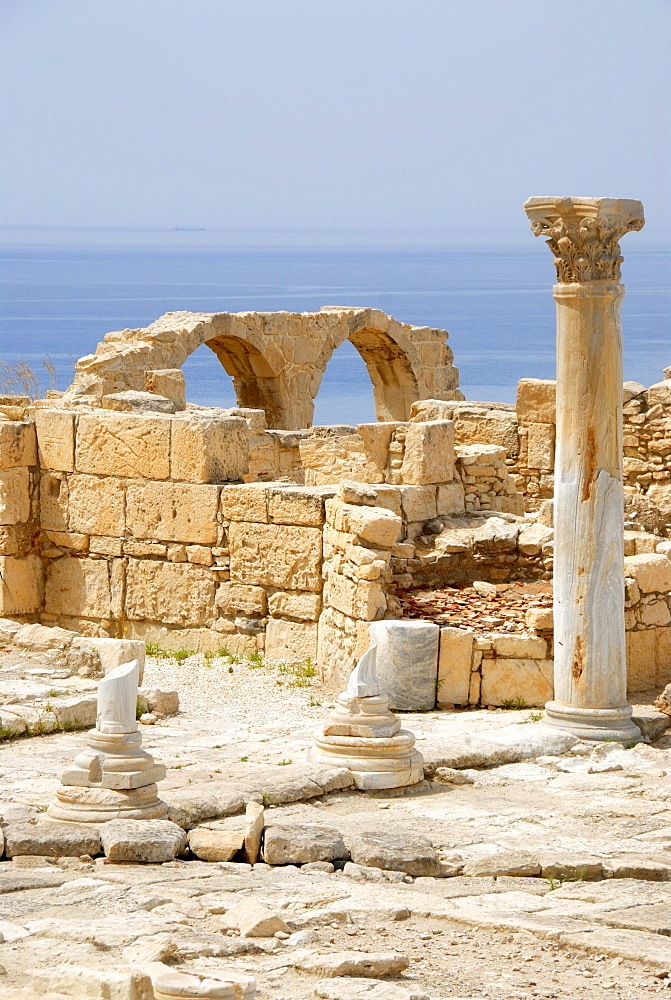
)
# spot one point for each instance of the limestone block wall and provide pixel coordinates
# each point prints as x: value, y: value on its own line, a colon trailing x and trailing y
x: 276, y: 360
x: 646, y: 442
x: 20, y: 566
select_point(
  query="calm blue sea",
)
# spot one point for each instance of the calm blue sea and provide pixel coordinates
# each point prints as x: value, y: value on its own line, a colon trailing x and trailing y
x: 59, y: 301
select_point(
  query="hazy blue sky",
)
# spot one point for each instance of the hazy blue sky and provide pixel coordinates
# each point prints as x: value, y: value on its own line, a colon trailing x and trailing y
x: 355, y: 115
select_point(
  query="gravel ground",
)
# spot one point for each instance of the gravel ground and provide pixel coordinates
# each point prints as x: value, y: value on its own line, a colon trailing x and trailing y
x: 217, y: 690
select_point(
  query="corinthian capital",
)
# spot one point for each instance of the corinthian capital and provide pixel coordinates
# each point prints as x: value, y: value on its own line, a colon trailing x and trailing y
x: 584, y: 234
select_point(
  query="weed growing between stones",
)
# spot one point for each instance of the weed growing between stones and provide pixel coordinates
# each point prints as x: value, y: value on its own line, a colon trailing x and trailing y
x: 514, y: 703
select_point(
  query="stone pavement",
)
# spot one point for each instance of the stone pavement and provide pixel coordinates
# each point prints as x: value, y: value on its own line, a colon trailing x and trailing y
x: 559, y: 859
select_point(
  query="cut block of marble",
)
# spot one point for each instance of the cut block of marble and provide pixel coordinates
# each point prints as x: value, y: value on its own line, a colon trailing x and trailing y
x: 407, y: 662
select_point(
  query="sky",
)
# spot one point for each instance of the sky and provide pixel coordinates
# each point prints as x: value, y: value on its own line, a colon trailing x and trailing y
x: 376, y: 116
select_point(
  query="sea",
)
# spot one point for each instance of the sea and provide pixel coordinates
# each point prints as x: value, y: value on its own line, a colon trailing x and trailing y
x: 60, y: 294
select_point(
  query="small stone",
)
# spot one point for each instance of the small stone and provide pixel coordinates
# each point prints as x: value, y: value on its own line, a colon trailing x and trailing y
x: 452, y: 776
x: 254, y: 920
x: 151, y: 840
x: 355, y: 963
x: 514, y: 863
x: 215, y: 845
x: 185, y: 985
x: 148, y: 719
x: 485, y: 589
x: 282, y: 935
x: 318, y: 866
x: 253, y: 831
x: 287, y: 845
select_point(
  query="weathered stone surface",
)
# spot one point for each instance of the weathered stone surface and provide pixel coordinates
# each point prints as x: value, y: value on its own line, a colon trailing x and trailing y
x: 21, y: 585
x: 429, y: 453
x: 536, y: 400
x: 407, y: 662
x: 96, y: 984
x: 541, y: 446
x: 641, y: 660
x: 419, y: 502
x: 395, y: 852
x: 169, y: 985
x: 123, y: 444
x: 356, y: 988
x: 168, y: 382
x: 292, y: 642
x: 207, y: 449
x: 354, y: 963
x: 292, y: 604
x: 564, y: 864
x: 514, y: 863
x: 136, y: 401
x: 295, y: 845
x: 79, y: 587
x: 176, y: 593
x: 52, y: 840
x: 540, y: 619
x: 253, y: 831
x: 364, y: 600
x: 505, y: 680
x: 519, y: 646
x: 651, y: 570
x: 372, y: 524
x: 173, y: 512
x: 254, y: 920
x: 450, y: 498
x: 454, y: 666
x: 96, y: 505
x: 153, y: 840
x: 14, y: 495
x: 161, y: 702
x: 215, y: 845
x: 302, y: 505
x: 276, y: 555
x: 245, y: 503
x: 239, y: 597
x: 40, y: 638
x: 17, y: 444
x: 532, y: 538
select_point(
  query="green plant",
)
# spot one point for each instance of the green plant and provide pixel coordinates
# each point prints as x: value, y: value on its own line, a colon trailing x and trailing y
x: 300, y: 673
x: 182, y: 654
x: 55, y: 693
x: 230, y: 670
x: 314, y: 702
x: 265, y: 799
x: 153, y: 649
x: 244, y: 758
x: 283, y: 763
x: 223, y: 652
x: 255, y: 659
x: 533, y: 717
x: 555, y: 883
x: 514, y: 703
x: 217, y: 770
x: 139, y: 708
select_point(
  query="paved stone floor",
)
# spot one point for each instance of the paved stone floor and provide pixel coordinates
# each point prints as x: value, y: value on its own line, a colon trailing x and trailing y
x: 525, y: 803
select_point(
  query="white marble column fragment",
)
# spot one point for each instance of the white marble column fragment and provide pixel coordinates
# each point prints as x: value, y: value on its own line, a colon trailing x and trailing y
x: 364, y: 736
x: 590, y: 653
x: 113, y: 778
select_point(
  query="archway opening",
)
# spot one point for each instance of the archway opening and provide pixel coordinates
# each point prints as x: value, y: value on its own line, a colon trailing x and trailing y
x: 394, y: 383
x: 345, y: 393
x: 207, y: 384
x: 256, y: 385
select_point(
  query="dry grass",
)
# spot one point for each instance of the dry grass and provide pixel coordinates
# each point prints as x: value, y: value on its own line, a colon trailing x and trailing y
x: 19, y: 378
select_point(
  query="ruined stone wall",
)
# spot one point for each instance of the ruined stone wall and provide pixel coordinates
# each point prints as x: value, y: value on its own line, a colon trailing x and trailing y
x: 20, y: 566
x: 276, y: 360
x: 646, y: 442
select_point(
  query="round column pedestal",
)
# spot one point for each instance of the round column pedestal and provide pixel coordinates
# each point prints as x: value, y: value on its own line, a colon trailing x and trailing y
x: 595, y: 724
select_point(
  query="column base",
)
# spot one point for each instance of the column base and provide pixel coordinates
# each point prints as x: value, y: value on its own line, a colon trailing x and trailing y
x: 593, y: 724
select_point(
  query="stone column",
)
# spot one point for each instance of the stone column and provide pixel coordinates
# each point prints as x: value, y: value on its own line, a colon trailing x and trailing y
x: 590, y: 652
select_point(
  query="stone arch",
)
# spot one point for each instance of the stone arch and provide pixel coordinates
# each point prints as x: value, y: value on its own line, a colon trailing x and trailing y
x: 392, y: 360
x: 256, y: 384
x: 277, y: 360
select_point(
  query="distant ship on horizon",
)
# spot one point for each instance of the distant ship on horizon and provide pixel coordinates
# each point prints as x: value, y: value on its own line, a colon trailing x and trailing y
x: 190, y: 229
